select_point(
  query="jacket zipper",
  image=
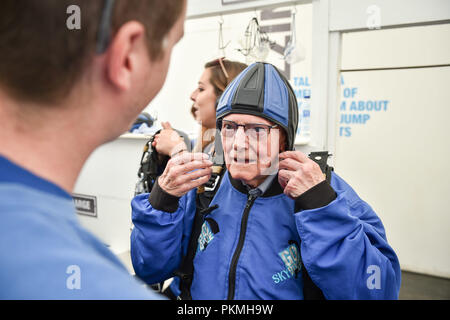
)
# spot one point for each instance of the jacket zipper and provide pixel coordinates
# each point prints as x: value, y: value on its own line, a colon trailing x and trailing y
x: 234, y: 261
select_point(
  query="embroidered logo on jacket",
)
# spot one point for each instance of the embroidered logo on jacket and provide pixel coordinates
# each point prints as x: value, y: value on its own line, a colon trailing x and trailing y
x: 205, y: 237
x: 292, y: 261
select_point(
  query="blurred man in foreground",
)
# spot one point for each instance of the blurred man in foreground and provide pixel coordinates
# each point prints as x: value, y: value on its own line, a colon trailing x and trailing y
x: 73, y: 75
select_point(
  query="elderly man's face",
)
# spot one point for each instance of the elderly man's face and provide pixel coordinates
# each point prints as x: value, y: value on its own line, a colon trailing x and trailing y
x: 251, y: 155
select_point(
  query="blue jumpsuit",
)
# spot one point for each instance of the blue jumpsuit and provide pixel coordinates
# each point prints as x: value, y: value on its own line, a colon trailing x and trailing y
x: 255, y: 248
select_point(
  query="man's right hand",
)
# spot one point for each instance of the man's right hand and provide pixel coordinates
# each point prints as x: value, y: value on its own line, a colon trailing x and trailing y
x: 185, y: 172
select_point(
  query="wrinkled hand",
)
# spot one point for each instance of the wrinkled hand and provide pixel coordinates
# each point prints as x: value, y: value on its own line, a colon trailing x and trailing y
x: 185, y: 172
x: 297, y: 173
x: 167, y: 141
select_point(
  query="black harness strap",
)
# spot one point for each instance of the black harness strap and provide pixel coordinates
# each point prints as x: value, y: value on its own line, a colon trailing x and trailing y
x: 310, y: 290
x: 203, y: 199
x: 152, y: 166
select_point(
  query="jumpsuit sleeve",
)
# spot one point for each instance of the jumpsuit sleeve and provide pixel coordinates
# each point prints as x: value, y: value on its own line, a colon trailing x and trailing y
x: 344, y: 247
x: 161, y: 233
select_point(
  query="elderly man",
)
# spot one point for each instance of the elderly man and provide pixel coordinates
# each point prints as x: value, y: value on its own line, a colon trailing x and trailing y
x: 276, y: 228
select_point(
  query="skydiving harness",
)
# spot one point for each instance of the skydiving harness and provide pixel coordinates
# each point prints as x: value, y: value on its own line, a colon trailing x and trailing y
x: 204, y: 197
x: 152, y: 166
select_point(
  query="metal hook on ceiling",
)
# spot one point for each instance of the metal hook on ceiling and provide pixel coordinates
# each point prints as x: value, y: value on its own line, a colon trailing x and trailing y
x: 221, y: 42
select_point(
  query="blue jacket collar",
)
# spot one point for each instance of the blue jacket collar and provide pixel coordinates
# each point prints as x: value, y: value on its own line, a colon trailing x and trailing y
x: 272, y: 190
x: 13, y: 173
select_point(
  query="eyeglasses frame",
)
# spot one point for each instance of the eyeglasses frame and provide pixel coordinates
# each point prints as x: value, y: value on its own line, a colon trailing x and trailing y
x: 269, y: 128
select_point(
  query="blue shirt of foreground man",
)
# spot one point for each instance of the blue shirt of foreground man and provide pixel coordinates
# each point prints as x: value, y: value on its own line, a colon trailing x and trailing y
x: 63, y: 93
x: 276, y: 217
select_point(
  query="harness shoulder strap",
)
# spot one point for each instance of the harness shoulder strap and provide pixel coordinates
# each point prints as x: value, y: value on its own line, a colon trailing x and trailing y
x: 205, y: 194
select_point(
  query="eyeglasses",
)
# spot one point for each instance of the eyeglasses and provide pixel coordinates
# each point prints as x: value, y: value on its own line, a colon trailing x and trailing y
x: 252, y: 130
x: 104, y: 29
x: 222, y: 66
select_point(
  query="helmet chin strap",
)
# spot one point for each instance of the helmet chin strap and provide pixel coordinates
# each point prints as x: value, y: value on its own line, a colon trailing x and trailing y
x: 218, y: 157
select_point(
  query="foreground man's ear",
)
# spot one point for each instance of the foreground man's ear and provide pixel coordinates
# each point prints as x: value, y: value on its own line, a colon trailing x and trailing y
x: 125, y: 53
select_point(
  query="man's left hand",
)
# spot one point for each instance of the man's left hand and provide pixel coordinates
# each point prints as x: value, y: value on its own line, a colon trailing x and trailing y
x: 297, y: 173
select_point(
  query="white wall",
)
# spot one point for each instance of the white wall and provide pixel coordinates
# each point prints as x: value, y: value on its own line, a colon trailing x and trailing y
x: 397, y: 160
x: 110, y: 175
x: 348, y: 15
x: 396, y: 48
